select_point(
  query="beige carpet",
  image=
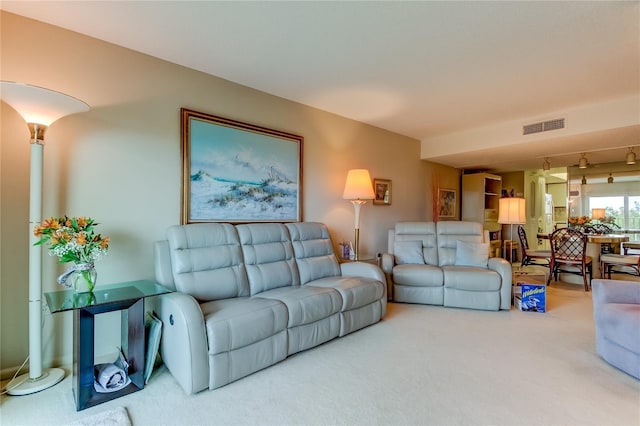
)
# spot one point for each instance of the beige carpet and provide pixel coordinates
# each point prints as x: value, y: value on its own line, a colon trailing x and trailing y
x: 422, y: 365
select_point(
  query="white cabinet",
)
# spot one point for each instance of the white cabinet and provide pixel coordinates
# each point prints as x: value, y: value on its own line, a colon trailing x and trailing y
x: 480, y: 195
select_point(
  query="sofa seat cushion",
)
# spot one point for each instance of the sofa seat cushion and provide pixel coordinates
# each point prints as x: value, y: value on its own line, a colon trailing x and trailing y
x: 354, y: 291
x: 619, y: 323
x: 418, y: 275
x: 306, y: 304
x: 235, y: 323
x: 470, y: 278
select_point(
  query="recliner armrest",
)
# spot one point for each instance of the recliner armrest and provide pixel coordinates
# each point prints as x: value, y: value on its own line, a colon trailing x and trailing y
x: 615, y: 291
x: 183, y: 346
x: 388, y: 262
x: 503, y: 268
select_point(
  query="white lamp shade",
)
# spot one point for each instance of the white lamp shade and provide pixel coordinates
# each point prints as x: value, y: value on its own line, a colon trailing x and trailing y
x: 598, y: 214
x: 358, y: 185
x: 39, y: 105
x: 512, y: 211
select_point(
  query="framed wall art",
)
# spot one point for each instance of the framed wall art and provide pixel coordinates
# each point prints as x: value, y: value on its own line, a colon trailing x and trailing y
x: 446, y: 202
x: 238, y: 172
x: 382, y: 191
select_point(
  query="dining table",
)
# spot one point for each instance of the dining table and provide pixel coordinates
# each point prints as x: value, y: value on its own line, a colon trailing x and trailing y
x: 595, y: 243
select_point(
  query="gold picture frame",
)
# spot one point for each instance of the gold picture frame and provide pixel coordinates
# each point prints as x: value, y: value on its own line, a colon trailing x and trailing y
x: 382, y: 192
x: 446, y: 202
x: 238, y: 172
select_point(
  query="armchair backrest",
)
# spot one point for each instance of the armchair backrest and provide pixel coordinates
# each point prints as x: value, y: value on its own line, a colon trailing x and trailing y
x: 206, y: 261
x: 417, y: 231
x: 268, y: 256
x: 313, y: 251
x: 449, y: 233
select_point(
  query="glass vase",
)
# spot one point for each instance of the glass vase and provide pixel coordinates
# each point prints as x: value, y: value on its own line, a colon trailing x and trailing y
x: 83, y: 278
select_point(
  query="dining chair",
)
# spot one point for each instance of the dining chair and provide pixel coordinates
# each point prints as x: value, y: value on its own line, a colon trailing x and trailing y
x: 630, y: 247
x: 532, y: 257
x: 619, y: 263
x: 569, y: 255
x: 600, y: 228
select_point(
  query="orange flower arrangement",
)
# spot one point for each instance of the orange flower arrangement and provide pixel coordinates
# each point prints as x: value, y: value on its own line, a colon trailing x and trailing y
x: 579, y: 220
x: 72, y: 239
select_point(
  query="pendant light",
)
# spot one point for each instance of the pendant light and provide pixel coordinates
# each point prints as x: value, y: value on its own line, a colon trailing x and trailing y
x: 582, y: 163
x: 631, y: 156
x: 584, y: 180
x: 546, y: 165
x: 610, y: 179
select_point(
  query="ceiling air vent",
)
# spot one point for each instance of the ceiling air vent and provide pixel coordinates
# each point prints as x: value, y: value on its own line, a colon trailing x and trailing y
x: 543, y: 126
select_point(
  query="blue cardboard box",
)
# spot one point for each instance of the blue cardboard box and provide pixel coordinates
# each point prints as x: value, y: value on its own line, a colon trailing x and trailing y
x: 534, y: 297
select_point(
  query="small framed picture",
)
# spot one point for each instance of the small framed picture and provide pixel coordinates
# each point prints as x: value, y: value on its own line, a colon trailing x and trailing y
x: 382, y: 190
x: 446, y: 202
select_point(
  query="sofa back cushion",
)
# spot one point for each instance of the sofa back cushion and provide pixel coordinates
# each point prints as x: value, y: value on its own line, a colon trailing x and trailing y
x: 268, y: 256
x: 206, y: 261
x: 313, y: 251
x: 418, y: 231
x: 450, y: 232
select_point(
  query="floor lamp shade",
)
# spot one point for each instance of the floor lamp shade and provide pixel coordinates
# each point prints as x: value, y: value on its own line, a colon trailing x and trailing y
x: 511, y: 211
x: 40, y: 108
x: 358, y: 188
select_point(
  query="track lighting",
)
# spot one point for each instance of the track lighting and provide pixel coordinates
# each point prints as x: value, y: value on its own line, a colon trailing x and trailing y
x: 583, y: 162
x: 610, y: 180
x: 547, y: 165
x: 631, y: 156
x: 584, y: 180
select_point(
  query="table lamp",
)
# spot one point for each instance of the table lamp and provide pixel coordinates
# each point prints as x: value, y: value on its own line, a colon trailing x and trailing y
x: 40, y: 108
x: 597, y: 214
x: 358, y: 189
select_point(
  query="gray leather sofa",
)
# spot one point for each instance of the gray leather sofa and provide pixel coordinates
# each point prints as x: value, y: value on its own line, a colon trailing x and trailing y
x: 616, y: 311
x: 247, y: 296
x: 446, y: 263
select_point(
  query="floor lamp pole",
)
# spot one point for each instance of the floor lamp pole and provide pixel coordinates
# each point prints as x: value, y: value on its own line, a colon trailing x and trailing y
x: 37, y: 379
x: 357, y: 204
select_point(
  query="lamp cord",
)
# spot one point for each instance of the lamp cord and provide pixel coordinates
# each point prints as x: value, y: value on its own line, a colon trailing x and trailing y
x: 8, y: 386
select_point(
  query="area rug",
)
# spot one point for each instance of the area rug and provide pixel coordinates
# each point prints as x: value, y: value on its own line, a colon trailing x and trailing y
x: 116, y: 417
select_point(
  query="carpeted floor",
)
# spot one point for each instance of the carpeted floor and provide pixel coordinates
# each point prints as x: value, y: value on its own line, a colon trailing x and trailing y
x: 423, y: 365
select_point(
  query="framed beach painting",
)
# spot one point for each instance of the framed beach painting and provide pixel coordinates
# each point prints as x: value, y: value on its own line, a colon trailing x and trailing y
x: 446, y: 202
x: 238, y: 172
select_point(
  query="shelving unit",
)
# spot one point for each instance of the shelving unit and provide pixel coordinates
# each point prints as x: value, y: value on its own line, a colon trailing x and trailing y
x: 480, y: 195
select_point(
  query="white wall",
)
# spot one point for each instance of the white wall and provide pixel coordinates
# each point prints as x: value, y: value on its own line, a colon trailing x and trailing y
x: 120, y: 163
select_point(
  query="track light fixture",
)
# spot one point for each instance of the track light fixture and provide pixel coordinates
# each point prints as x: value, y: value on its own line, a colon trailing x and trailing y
x: 547, y: 165
x: 583, y: 162
x: 631, y: 156
x: 610, y: 179
x: 584, y: 180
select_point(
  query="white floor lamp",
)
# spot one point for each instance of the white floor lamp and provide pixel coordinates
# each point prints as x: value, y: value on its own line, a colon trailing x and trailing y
x: 40, y: 108
x: 358, y: 189
x: 511, y: 211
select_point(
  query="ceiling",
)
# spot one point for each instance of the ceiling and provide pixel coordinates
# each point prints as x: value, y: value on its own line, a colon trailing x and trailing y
x: 421, y: 69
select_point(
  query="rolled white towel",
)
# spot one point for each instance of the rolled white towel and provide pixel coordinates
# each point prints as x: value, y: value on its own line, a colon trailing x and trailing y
x: 109, y: 378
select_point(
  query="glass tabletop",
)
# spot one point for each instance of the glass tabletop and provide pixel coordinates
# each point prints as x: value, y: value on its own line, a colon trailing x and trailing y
x: 67, y: 300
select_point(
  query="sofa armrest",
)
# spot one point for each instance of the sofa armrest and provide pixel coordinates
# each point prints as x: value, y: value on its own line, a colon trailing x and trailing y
x: 503, y: 268
x: 362, y: 269
x: 367, y: 270
x: 615, y: 291
x: 183, y: 346
x: 388, y: 262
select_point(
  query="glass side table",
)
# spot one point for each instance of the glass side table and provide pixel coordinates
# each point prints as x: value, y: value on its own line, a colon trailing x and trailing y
x: 127, y: 297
